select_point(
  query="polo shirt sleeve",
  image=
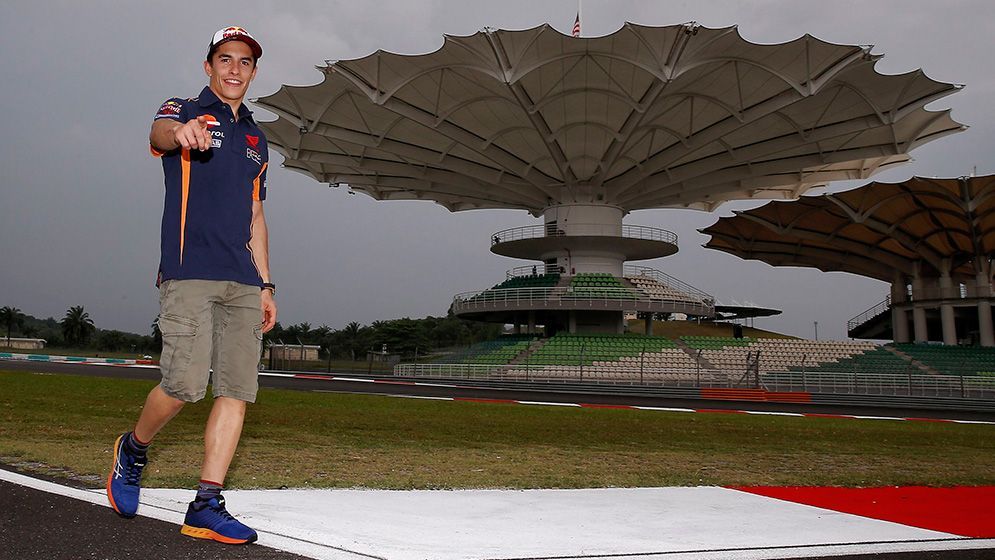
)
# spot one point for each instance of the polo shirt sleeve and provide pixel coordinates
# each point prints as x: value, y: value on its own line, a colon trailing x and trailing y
x: 175, y: 109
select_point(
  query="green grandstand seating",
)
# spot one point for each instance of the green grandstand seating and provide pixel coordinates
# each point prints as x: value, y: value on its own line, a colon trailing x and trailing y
x: 952, y: 360
x: 537, y: 281
x: 576, y: 349
x: 879, y: 360
x: 598, y: 285
x: 491, y: 352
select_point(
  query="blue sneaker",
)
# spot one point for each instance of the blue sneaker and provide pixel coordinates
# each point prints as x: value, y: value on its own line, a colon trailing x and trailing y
x: 210, y: 520
x: 124, y: 480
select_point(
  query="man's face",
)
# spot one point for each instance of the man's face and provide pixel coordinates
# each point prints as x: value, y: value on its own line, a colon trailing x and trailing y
x: 230, y: 69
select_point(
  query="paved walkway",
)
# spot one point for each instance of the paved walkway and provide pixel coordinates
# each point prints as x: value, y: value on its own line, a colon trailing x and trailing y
x: 704, y: 523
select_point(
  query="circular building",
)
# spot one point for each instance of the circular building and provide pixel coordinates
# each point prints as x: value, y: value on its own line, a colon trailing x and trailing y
x: 581, y: 131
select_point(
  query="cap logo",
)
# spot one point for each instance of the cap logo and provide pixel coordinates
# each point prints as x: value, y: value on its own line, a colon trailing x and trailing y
x: 232, y: 31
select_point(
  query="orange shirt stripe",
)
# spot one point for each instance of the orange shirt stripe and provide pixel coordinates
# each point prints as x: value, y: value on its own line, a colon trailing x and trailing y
x: 184, y: 196
x: 255, y: 182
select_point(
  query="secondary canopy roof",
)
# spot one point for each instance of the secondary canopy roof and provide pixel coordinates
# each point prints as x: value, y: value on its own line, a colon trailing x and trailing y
x: 647, y: 117
x: 874, y: 230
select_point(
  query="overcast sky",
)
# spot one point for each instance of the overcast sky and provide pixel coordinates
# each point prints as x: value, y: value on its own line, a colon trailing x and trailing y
x: 81, y: 199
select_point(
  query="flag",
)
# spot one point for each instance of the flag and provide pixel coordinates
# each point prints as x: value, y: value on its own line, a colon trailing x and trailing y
x: 576, y: 30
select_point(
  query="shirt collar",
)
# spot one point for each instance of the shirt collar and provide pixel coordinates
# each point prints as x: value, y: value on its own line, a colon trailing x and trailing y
x: 208, y: 98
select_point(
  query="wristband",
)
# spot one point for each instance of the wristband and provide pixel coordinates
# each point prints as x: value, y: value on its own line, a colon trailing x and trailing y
x: 269, y: 286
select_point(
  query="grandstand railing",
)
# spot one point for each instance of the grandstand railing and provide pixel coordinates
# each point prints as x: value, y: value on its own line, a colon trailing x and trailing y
x: 566, y: 297
x: 588, y: 374
x: 913, y: 385
x: 858, y: 383
x: 533, y: 270
x: 869, y: 314
x: 598, y: 230
x: 665, y: 279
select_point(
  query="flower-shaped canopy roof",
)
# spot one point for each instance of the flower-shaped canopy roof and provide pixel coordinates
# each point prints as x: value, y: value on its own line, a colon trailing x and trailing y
x: 647, y: 117
x: 879, y: 230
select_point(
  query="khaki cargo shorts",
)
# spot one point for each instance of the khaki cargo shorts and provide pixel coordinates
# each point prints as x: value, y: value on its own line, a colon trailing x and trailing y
x: 209, y: 324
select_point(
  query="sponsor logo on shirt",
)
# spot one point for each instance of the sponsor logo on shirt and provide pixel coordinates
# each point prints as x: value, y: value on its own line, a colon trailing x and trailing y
x: 169, y: 109
x: 253, y: 155
x: 253, y: 141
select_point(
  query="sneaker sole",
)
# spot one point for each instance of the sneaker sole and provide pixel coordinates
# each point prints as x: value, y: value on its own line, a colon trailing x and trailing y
x: 110, y: 476
x: 199, y: 533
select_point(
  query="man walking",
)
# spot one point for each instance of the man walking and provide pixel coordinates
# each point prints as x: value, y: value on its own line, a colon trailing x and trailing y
x: 216, y: 295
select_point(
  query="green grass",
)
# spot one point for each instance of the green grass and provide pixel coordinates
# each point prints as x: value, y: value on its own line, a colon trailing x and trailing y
x: 301, y: 439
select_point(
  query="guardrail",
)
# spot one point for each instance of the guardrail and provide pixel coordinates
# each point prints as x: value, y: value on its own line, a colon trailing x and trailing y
x: 869, y: 314
x: 597, y: 230
x: 914, y: 385
x: 867, y: 383
x: 567, y: 297
x: 665, y: 279
x: 587, y: 374
x: 533, y: 270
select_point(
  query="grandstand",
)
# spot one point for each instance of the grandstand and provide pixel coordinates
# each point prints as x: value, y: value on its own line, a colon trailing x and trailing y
x: 877, y: 361
x: 598, y: 285
x: 951, y: 360
x: 490, y: 352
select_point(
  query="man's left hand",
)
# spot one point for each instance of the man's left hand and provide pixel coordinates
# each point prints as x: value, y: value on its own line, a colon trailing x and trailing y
x: 269, y: 310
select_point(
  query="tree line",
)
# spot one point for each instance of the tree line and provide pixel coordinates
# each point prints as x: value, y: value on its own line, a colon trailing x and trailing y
x: 408, y: 337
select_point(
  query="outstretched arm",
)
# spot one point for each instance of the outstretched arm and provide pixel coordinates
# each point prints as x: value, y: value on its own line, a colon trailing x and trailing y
x: 167, y: 134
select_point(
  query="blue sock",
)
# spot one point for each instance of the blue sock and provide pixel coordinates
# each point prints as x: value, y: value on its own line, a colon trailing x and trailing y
x: 135, y: 447
x: 207, y: 490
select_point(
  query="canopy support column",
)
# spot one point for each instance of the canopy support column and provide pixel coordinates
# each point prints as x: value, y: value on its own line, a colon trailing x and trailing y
x: 918, y: 312
x: 946, y: 309
x: 899, y: 315
x: 983, y: 290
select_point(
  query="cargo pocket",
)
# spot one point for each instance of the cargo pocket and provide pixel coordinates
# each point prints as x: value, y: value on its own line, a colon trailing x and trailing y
x: 178, y: 334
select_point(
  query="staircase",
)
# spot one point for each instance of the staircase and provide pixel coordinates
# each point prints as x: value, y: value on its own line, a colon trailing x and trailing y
x: 532, y: 348
x: 923, y: 367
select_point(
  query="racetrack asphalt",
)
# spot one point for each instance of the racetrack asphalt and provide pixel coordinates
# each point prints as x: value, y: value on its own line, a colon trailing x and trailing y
x: 40, y: 524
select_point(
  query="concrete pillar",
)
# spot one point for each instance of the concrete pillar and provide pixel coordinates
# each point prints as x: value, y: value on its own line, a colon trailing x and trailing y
x: 620, y: 329
x: 518, y: 328
x: 899, y: 325
x: 532, y: 321
x: 899, y: 316
x: 572, y: 327
x: 947, y: 310
x: 985, y: 323
x: 649, y: 325
x: 918, y: 312
x: 983, y: 290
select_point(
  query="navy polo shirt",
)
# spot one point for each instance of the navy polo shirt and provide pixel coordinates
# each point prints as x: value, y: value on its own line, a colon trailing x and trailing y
x: 207, y: 215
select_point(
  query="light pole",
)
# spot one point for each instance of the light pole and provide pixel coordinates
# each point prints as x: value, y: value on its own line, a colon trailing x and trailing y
x: 816, y: 330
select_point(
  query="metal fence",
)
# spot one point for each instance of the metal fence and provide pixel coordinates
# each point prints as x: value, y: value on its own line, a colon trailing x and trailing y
x: 856, y: 383
x: 612, y: 230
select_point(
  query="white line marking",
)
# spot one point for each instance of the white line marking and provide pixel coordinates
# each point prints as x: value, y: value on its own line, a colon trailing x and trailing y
x: 771, y: 413
x: 422, y: 397
x: 664, y: 409
x: 543, y: 403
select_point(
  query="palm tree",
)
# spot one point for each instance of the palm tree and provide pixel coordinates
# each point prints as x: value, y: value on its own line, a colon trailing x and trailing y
x: 77, y: 326
x: 11, y: 316
x: 352, y: 332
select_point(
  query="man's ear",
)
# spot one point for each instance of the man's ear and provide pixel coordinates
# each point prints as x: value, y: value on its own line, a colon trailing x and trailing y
x: 207, y: 68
